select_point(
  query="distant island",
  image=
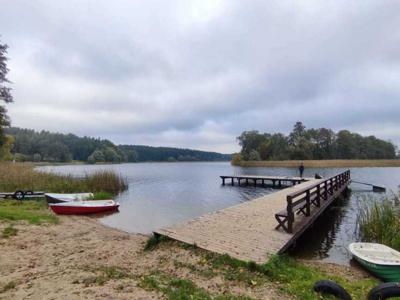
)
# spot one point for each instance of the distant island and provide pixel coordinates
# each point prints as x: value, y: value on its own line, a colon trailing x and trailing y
x: 44, y: 146
x: 320, y: 147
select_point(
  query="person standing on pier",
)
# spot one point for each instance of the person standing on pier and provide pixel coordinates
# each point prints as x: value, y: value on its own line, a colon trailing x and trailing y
x: 301, y: 169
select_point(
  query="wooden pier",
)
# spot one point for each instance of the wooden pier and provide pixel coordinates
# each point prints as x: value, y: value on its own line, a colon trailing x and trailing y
x: 275, y: 181
x: 257, y: 229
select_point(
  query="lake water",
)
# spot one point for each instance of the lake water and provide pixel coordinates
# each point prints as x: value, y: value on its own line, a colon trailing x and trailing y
x: 162, y: 194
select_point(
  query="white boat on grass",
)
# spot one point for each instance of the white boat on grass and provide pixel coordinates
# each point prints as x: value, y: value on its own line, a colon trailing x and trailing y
x: 60, y: 198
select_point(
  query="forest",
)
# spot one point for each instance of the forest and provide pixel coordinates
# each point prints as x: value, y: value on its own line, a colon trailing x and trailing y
x: 318, y: 144
x: 30, y: 145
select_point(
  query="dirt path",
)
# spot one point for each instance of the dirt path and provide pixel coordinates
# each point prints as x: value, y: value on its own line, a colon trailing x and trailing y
x: 82, y: 259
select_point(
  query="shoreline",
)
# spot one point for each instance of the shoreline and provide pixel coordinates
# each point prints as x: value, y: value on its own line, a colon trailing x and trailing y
x: 333, y: 163
x: 82, y: 258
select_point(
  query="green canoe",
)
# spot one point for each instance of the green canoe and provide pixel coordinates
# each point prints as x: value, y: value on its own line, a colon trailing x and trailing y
x: 381, y: 260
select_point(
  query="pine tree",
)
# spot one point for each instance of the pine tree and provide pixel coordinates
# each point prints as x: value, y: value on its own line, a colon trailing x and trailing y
x: 5, y: 92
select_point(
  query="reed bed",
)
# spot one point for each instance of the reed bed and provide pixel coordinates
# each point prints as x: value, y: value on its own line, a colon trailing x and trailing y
x: 330, y: 163
x: 23, y: 176
x: 379, y: 222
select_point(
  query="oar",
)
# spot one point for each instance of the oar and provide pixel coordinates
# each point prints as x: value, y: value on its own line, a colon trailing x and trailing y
x: 375, y: 188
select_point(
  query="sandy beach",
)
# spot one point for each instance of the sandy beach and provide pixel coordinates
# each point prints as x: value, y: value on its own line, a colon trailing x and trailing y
x: 65, y: 261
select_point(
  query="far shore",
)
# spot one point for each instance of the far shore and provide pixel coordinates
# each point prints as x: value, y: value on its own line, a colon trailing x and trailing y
x: 332, y: 163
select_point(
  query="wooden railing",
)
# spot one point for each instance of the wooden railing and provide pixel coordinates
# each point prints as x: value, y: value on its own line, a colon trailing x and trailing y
x: 301, y: 201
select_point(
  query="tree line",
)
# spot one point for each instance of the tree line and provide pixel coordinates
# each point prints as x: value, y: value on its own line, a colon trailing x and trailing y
x: 30, y: 145
x: 304, y: 144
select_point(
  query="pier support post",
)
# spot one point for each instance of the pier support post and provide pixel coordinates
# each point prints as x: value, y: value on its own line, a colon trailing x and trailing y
x: 223, y: 181
x: 232, y: 182
x: 308, y: 203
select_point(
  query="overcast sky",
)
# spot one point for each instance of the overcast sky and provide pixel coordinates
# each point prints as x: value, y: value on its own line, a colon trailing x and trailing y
x: 197, y: 73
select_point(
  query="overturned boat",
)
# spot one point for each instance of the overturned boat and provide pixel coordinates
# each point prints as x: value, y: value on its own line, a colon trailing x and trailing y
x: 61, y: 198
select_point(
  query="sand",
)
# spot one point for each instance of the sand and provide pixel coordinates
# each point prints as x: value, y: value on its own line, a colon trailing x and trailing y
x: 59, y: 261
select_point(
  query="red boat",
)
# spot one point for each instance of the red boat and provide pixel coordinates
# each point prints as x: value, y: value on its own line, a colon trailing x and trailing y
x: 84, y: 207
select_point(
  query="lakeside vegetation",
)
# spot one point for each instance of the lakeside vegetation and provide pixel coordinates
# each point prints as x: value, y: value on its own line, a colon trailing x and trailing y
x: 291, y: 277
x: 30, y: 145
x: 311, y: 144
x: 379, y: 222
x: 23, y: 176
x: 331, y: 163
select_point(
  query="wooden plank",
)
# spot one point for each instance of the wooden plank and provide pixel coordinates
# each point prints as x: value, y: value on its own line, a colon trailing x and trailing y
x: 247, y: 231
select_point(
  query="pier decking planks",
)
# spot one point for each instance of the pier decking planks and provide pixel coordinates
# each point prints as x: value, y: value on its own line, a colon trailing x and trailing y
x: 246, y: 231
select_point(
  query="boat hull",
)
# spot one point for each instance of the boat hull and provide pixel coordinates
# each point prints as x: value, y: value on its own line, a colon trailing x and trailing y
x: 82, y: 210
x: 55, y: 200
x: 385, y: 272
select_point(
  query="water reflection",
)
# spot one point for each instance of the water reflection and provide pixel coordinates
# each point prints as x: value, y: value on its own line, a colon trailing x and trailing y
x: 318, y: 240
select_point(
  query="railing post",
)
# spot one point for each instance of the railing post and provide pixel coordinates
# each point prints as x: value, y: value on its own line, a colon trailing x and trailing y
x: 318, y: 195
x: 331, y: 186
x: 326, y: 190
x: 308, y: 203
x: 290, y: 214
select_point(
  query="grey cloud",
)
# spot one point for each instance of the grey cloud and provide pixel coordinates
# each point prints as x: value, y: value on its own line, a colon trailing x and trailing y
x: 196, y: 74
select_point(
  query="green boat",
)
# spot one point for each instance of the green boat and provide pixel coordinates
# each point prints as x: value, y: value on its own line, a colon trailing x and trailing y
x: 381, y: 260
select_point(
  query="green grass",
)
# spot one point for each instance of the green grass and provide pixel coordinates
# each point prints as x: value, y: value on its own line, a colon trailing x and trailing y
x: 23, y: 176
x: 298, y: 280
x: 290, y: 276
x: 180, y: 289
x: 154, y: 241
x: 379, y: 222
x: 32, y: 211
x: 104, y: 274
x: 9, y: 231
x: 101, y: 196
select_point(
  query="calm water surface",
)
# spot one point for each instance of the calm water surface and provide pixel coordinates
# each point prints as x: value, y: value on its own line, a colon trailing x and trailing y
x: 161, y: 194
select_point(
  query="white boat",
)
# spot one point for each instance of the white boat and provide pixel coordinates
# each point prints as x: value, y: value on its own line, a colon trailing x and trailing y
x: 84, y: 207
x: 379, y: 259
x: 59, y: 198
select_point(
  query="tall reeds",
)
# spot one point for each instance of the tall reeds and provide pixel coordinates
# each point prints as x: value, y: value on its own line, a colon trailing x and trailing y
x: 379, y: 222
x: 22, y: 176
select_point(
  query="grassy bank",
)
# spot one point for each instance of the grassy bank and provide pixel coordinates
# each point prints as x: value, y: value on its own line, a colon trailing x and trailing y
x: 23, y: 176
x: 293, y: 278
x: 33, y: 212
x: 332, y: 163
